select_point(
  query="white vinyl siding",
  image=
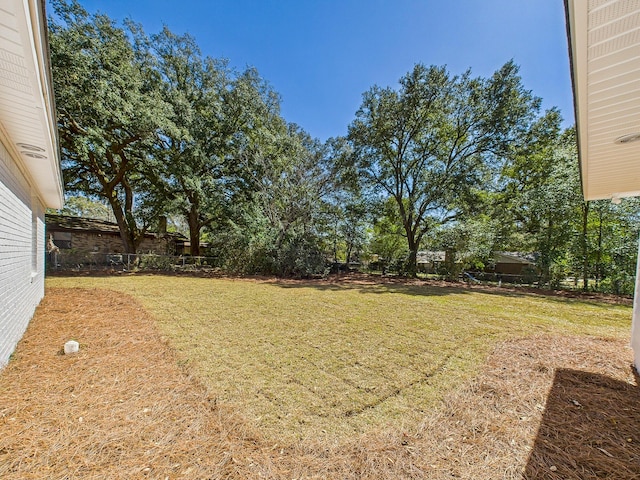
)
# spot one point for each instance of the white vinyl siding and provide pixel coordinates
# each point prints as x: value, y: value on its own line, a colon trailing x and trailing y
x: 21, y: 254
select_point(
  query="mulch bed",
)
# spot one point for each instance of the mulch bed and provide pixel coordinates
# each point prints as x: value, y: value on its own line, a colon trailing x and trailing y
x: 126, y: 407
x: 120, y: 408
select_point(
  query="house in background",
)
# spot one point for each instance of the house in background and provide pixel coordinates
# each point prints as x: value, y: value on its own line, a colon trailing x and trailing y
x: 428, y: 261
x: 89, y: 236
x: 504, y: 263
x: 30, y: 177
x: 511, y: 263
x: 604, y: 48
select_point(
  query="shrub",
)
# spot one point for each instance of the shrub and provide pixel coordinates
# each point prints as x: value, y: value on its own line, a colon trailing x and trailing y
x: 156, y: 262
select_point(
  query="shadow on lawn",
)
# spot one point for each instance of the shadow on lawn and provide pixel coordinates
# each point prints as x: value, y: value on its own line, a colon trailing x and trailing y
x: 590, y: 429
x: 378, y: 285
x: 367, y: 283
x: 418, y: 287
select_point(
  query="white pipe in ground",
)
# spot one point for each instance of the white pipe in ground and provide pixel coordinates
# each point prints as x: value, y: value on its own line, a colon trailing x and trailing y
x: 71, y: 347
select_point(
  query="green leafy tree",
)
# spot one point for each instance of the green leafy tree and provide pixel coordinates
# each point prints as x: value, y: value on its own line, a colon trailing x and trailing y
x: 388, y: 238
x: 81, y: 206
x: 277, y: 228
x: 345, y: 226
x: 354, y: 227
x: 545, y: 198
x: 195, y: 152
x: 429, y: 145
x: 346, y: 220
x: 294, y: 182
x: 623, y: 248
x: 606, y: 249
x: 108, y: 116
x: 468, y: 245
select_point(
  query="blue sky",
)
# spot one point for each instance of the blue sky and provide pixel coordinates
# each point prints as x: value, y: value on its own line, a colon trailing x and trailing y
x: 321, y: 55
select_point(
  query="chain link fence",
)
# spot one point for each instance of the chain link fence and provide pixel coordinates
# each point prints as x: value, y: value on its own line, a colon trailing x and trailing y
x: 88, y: 261
x: 526, y: 278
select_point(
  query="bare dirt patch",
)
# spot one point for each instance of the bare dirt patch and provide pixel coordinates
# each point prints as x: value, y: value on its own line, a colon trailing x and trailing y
x: 542, y: 407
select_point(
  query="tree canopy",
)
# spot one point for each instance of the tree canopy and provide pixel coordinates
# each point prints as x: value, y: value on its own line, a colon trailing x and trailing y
x: 150, y: 126
x: 431, y: 144
x: 109, y: 115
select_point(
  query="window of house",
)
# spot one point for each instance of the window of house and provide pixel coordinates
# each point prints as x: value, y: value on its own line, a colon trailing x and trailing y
x: 62, y: 240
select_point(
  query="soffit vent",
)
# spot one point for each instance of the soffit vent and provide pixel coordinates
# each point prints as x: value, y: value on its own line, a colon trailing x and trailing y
x: 35, y: 155
x: 31, y: 148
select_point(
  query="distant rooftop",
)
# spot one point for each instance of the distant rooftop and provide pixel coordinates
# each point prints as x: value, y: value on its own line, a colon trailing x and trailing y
x: 514, y: 257
x: 66, y: 223
x: 426, y: 256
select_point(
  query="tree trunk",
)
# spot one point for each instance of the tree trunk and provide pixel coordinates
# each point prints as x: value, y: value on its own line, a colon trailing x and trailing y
x: 549, y: 254
x: 123, y: 227
x: 585, y: 253
x: 127, y: 241
x: 599, y: 251
x: 335, y: 242
x: 411, y: 267
x: 194, y: 231
x: 450, y: 264
x: 135, y: 235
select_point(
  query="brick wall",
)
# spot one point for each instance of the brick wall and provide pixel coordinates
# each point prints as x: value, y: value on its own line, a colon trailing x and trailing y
x: 21, y: 261
x: 112, y: 243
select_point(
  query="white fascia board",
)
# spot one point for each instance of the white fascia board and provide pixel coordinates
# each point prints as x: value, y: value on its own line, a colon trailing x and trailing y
x: 46, y: 176
x: 578, y: 17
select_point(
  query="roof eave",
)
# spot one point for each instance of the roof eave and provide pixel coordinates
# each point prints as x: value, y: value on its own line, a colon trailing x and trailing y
x: 28, y: 126
x: 576, y: 22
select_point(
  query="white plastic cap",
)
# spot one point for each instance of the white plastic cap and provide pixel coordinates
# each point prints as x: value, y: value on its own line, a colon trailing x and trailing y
x: 71, y: 347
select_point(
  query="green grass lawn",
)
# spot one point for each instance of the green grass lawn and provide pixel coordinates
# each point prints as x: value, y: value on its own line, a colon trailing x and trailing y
x: 308, y: 359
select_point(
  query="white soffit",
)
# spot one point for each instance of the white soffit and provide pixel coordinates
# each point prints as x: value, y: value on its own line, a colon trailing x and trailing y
x: 604, y: 40
x: 27, y: 117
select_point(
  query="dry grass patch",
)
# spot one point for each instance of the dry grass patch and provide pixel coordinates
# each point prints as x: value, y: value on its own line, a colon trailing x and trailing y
x: 309, y: 360
x: 541, y: 407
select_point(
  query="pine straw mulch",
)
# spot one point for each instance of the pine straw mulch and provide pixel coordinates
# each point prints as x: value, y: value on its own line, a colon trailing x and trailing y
x: 542, y: 407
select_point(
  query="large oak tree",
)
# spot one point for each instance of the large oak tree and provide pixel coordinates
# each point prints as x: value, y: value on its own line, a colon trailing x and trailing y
x: 109, y: 116
x: 430, y: 144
